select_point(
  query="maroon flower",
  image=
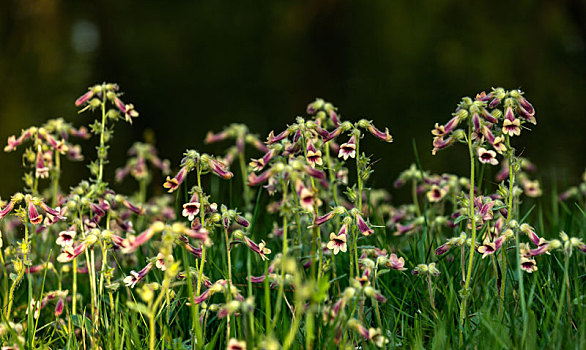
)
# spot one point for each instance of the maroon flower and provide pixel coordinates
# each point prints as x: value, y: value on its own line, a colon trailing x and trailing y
x: 255, y: 180
x: 362, y: 226
x: 219, y: 169
x: 273, y: 139
x: 313, y: 155
x: 486, y: 156
x: 173, y: 184
x: 67, y: 237
x: 69, y: 253
x: 84, y: 98
x: 385, y: 136
x: 440, y: 143
x: 191, y: 209
x: 348, y: 149
x: 41, y: 170
x: 135, y: 277
x: 337, y: 242
x: 211, y: 137
x: 34, y: 217
x: 396, y: 263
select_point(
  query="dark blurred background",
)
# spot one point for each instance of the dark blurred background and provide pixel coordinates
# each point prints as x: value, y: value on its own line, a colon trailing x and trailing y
x: 193, y: 66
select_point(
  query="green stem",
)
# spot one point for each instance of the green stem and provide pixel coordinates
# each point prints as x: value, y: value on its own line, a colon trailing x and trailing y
x: 56, y: 176
x: 283, y: 258
x: 229, y: 296
x: 20, y: 273
x: 244, y: 174
x: 331, y: 173
x: 153, y: 313
x: 471, y: 215
x: 507, y: 222
x: 101, y: 152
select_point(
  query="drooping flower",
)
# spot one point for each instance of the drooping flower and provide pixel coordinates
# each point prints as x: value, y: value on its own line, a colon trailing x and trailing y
x: 337, y: 242
x: 489, y: 248
x: 385, y: 136
x: 313, y: 155
x: 34, y: 217
x: 66, y: 237
x: 486, y: 156
x: 512, y: 127
x: 135, y: 277
x: 529, y: 265
x: 41, y: 170
x: 84, y: 98
x: 219, y: 169
x: 436, y: 193
x: 172, y: 184
x: 531, y: 188
x: 396, y: 263
x: 439, y: 143
x: 68, y: 253
x: 234, y: 344
x: 160, y: 262
x: 348, y: 149
x: 362, y: 226
x: 191, y: 209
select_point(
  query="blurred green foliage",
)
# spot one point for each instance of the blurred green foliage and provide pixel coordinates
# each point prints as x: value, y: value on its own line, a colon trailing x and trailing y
x: 193, y: 66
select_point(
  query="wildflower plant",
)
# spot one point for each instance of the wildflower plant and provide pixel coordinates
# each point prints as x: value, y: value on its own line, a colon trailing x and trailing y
x: 303, y: 252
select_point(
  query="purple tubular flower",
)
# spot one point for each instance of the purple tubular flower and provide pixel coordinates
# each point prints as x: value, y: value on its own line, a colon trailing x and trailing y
x: 82, y: 132
x: 51, y: 211
x: 320, y: 220
x: 487, y: 116
x: 257, y: 143
x: 444, y: 248
x: 452, y: 124
x: 318, y: 174
x: 197, y: 252
x: 273, y: 139
x: 530, y: 232
x: 120, y: 105
x: 34, y: 217
x: 6, y: 209
x: 173, y: 184
x: 476, y: 122
x: 526, y: 110
x: 323, y: 133
x: 219, y: 169
x: 334, y: 117
x: 59, y: 307
x: 132, y: 207
x: 69, y: 253
x: 241, y: 220
x: 122, y: 173
x: 495, y: 102
x: 509, y: 115
x: 539, y: 250
x: 255, y: 180
x: 385, y: 136
x: 211, y: 137
x: 440, y: 143
x: 362, y: 226
x: 202, y: 297
x: 41, y: 170
x: 332, y: 135
x: 84, y: 98
x: 259, y: 164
